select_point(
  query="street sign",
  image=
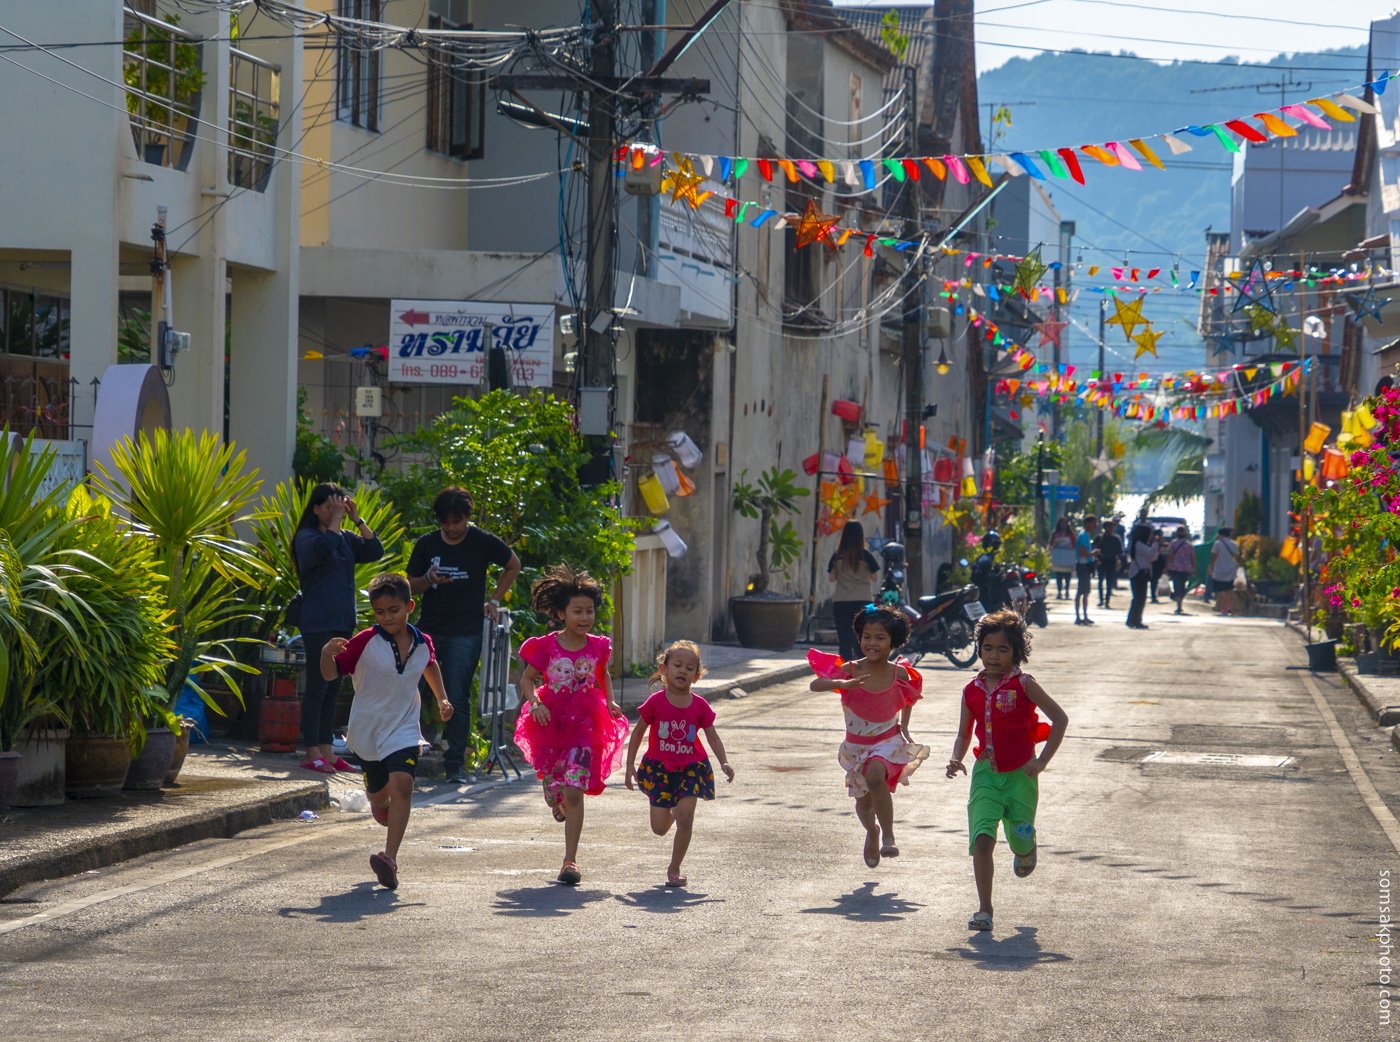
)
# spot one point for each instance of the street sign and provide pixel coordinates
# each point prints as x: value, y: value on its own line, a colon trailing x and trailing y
x: 1066, y: 491
x: 445, y: 341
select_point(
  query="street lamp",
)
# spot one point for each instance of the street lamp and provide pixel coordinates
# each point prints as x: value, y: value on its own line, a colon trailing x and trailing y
x: 942, y: 365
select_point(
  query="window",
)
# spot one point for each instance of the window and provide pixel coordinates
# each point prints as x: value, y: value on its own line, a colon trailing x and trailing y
x: 456, y: 102
x: 357, y: 77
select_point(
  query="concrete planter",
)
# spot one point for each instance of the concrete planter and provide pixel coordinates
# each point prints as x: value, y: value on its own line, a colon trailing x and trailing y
x: 42, y: 767
x: 177, y: 760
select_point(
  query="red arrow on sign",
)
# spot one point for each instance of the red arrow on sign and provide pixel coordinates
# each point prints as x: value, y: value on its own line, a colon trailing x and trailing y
x: 414, y: 318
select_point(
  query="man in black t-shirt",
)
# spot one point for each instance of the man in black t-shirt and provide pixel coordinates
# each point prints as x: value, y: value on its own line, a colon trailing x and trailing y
x: 447, y: 569
x: 1110, y: 557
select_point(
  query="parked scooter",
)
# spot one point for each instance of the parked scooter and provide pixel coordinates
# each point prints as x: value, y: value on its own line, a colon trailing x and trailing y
x: 1035, y: 611
x: 941, y: 623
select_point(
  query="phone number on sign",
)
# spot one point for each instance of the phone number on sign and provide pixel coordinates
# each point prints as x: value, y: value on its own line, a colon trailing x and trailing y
x: 438, y: 371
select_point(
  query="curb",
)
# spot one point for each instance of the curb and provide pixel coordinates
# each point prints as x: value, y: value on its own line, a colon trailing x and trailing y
x: 1383, y: 714
x: 123, y: 845
x: 748, y: 685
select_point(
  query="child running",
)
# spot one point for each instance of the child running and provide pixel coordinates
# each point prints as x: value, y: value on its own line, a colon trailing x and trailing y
x: 573, y: 732
x: 877, y: 696
x: 676, y: 771
x: 386, y: 661
x: 1000, y: 704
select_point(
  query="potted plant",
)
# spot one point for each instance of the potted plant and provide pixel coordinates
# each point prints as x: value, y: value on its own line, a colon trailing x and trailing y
x: 763, y: 618
x: 116, y: 628
x: 161, y: 68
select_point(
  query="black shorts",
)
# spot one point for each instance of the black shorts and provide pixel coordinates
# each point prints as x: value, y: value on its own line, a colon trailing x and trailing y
x: 1086, y: 577
x: 377, y: 772
x: 1222, y: 585
x: 666, y: 788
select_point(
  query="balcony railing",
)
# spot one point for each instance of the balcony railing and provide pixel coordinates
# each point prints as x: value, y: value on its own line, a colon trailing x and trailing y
x: 254, y: 110
x: 162, y: 66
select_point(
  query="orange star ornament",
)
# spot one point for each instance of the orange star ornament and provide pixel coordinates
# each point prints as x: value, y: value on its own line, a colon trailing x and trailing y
x: 815, y: 226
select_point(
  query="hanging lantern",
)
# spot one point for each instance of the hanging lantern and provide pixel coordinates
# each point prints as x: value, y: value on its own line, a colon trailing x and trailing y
x: 1309, y: 470
x: 675, y: 545
x: 1363, y: 417
x: 685, y: 449
x: 1334, y: 465
x: 664, y: 467
x: 855, y: 450
x: 1317, y: 437
x: 653, y: 494
x: 891, y: 474
x: 874, y: 450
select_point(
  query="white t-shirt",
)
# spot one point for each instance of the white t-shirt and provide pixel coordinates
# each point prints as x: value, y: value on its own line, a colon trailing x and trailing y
x: 1225, y: 557
x: 384, y: 714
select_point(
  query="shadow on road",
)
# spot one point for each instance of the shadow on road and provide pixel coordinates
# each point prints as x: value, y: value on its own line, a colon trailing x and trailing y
x: 864, y: 905
x: 551, y: 901
x: 667, y: 899
x: 359, y: 902
x: 1020, y: 951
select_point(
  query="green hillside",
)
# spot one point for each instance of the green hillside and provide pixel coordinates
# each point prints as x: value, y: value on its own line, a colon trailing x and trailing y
x: 1085, y: 98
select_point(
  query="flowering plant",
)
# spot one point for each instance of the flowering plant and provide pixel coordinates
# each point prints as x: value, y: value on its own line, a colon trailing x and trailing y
x: 1356, y: 520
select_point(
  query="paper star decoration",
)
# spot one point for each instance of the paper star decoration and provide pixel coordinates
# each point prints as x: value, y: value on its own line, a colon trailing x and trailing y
x: 1254, y: 290
x: 874, y: 503
x: 1050, y: 332
x: 1284, y: 334
x: 1361, y: 306
x: 1146, y: 342
x: 1129, y: 316
x: 815, y: 226
x: 684, y: 182
x: 1103, y: 466
x: 1028, y: 272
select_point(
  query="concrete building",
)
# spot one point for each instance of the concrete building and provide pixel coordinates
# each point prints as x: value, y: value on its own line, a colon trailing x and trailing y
x: 101, y: 140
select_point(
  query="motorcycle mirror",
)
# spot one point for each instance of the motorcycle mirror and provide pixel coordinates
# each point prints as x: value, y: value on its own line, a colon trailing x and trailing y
x: 962, y: 561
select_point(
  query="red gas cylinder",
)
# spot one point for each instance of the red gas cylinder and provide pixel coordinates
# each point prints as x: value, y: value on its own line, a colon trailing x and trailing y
x: 279, y: 723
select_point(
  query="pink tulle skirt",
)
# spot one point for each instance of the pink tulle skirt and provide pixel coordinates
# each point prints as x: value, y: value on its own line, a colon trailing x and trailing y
x: 580, y: 745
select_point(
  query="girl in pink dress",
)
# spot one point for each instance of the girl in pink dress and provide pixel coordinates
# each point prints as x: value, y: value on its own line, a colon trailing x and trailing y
x: 877, y: 696
x: 572, y: 731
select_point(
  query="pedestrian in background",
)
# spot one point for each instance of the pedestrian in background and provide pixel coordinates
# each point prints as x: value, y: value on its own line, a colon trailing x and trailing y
x: 1159, y: 566
x: 1181, y: 563
x: 571, y: 730
x: 1061, y: 547
x: 448, y: 567
x: 1000, y: 705
x: 676, y: 770
x: 1084, y: 551
x: 852, y: 570
x: 325, y: 557
x: 1110, y: 547
x: 387, y: 661
x: 1142, y: 555
x: 1224, y: 563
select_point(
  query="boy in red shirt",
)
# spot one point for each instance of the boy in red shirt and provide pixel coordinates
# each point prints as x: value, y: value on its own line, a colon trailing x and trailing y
x: 1000, y: 705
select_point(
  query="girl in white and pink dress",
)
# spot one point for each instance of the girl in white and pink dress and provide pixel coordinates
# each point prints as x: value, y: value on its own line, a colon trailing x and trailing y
x: 877, y: 696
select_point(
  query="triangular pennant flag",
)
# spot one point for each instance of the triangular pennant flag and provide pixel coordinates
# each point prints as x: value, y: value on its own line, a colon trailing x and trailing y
x: 1331, y: 108
x: 1072, y: 164
x: 1175, y: 143
x: 1146, y: 152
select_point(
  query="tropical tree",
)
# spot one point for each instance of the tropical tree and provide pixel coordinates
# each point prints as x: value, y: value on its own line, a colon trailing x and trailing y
x: 185, y: 492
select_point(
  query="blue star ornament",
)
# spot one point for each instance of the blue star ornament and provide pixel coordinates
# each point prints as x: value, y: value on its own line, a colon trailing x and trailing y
x: 1366, y: 304
x: 1254, y: 290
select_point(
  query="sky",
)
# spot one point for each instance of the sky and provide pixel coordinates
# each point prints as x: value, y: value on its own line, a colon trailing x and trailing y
x: 1166, y: 30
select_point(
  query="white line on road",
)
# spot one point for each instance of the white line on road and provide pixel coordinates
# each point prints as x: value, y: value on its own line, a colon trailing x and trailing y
x: 1369, y: 795
x: 256, y: 850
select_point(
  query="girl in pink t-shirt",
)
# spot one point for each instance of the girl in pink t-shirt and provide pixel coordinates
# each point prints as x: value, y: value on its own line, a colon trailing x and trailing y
x: 675, y: 771
x: 877, y: 697
x: 572, y: 731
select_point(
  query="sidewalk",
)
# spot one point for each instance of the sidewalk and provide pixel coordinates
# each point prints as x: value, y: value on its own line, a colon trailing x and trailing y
x: 227, y: 787
x: 1379, y: 694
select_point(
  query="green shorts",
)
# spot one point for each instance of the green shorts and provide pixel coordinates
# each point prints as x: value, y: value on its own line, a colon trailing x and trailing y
x: 1008, y: 797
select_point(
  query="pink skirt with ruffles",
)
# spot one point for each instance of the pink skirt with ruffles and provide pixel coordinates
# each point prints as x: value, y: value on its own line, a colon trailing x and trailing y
x: 580, y: 745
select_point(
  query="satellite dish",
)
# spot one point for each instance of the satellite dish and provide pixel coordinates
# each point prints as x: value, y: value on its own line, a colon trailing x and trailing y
x: 1314, y: 327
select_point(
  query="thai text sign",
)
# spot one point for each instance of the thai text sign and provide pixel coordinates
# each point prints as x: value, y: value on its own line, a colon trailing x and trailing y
x: 445, y: 341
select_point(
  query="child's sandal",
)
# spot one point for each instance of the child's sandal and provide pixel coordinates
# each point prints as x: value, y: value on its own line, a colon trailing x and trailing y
x: 569, y: 874
x: 1024, y: 866
x: 980, y: 921
x: 872, y: 848
x: 674, y: 879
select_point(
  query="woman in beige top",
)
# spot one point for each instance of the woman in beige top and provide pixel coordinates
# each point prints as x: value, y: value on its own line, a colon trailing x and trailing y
x: 852, y: 570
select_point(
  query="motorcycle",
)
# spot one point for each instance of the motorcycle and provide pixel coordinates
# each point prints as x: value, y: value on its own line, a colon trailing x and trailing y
x: 941, y: 624
x: 1035, y: 611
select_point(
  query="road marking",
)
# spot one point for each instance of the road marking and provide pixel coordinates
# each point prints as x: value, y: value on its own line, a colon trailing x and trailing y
x: 1369, y: 795
x: 1174, y: 756
x: 257, y: 850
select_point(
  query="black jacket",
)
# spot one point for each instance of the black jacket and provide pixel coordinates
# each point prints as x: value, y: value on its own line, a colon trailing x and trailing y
x: 326, y: 565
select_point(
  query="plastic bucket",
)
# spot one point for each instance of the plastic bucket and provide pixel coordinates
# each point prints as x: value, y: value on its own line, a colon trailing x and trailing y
x: 1322, y: 656
x: 279, y: 722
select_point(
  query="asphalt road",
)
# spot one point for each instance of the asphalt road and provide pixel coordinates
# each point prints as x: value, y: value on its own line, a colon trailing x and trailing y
x: 1182, y: 893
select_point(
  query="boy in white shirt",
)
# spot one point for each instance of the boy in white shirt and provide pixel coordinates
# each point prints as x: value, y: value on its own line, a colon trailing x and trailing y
x: 386, y: 661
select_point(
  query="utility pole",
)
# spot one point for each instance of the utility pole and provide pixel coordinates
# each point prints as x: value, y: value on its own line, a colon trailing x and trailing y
x: 1098, y: 437
x: 1061, y: 289
x: 595, y: 360
x: 912, y: 359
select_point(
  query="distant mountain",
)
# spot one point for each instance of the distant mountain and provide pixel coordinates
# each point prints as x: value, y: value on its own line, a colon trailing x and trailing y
x: 1082, y: 98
